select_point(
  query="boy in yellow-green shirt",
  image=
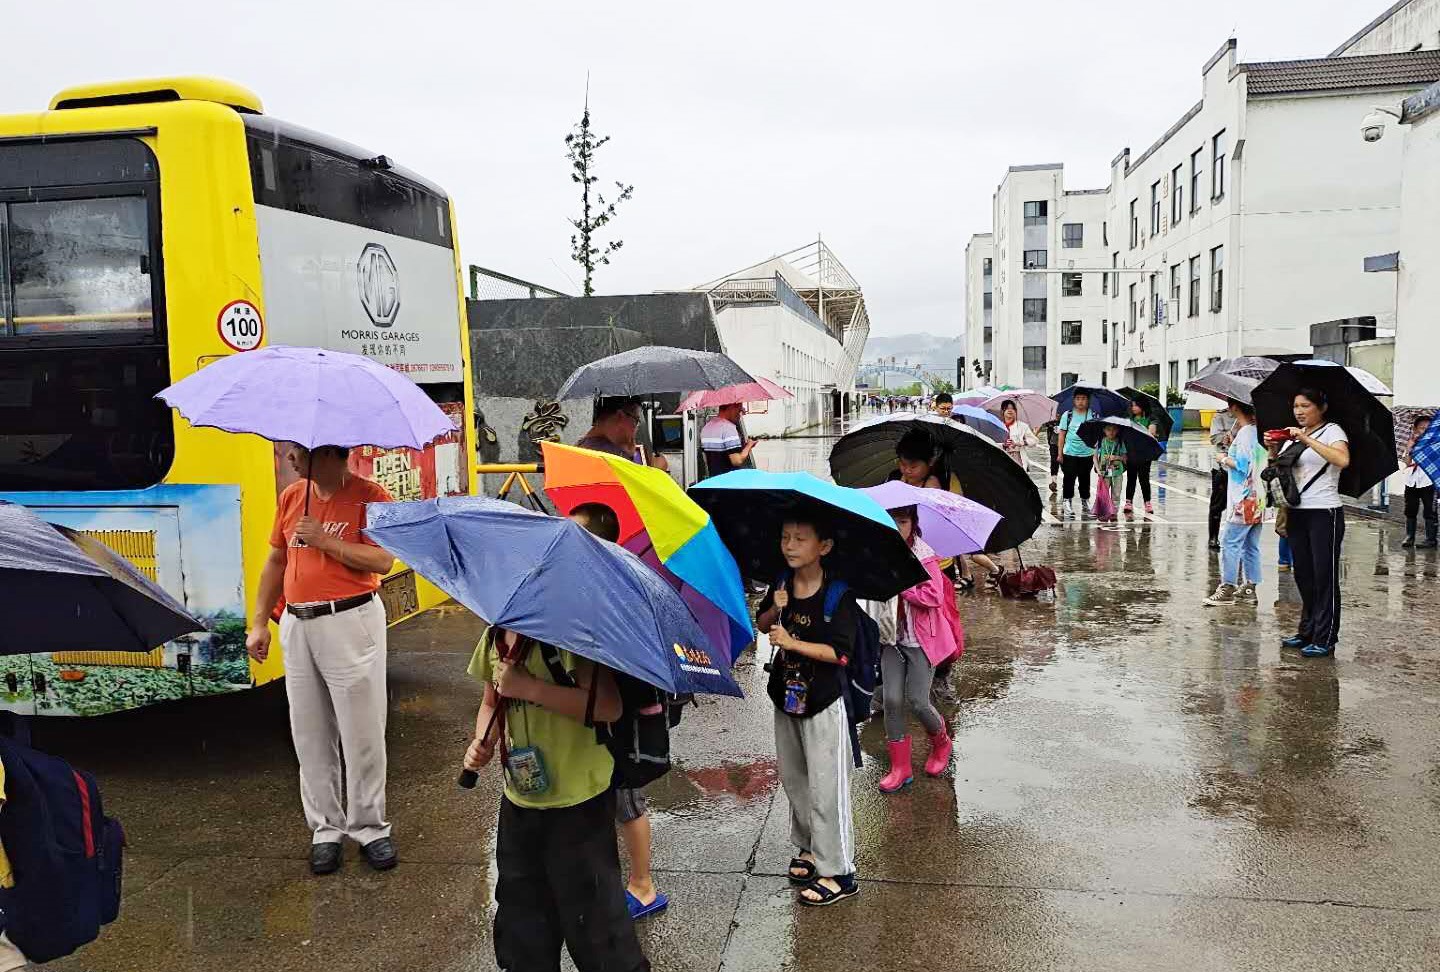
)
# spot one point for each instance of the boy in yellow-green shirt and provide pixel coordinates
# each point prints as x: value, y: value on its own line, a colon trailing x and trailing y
x: 556, y: 856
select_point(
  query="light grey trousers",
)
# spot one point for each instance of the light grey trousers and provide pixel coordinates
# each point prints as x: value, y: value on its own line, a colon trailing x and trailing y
x: 907, y: 674
x: 335, y: 680
x: 814, y: 759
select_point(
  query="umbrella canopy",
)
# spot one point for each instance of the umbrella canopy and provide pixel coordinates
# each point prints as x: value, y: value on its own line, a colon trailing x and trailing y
x: 952, y: 525
x: 64, y: 591
x: 1366, y: 421
x: 664, y: 528
x: 1139, y: 444
x: 761, y: 390
x: 309, y: 396
x: 1233, y: 378
x: 985, y: 473
x: 1033, y: 408
x: 653, y: 370
x: 548, y: 578
x: 1103, y: 401
x: 981, y: 421
x: 977, y: 395
x: 1426, y: 452
x: 749, y: 507
x: 1154, y: 411
x: 1405, y: 416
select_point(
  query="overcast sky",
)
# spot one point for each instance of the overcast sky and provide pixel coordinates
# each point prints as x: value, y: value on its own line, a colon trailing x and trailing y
x: 746, y: 127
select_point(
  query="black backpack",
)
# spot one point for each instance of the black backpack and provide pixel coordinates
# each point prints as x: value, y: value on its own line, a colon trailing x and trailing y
x: 862, y: 668
x: 639, y: 741
x: 64, y: 852
x: 1281, y: 488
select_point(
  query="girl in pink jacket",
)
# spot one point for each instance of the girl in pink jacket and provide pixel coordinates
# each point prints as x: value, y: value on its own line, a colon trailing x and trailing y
x: 924, y: 637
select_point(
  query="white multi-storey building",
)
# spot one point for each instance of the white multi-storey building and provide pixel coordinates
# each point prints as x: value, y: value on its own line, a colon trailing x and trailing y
x: 1243, y: 225
x: 975, y: 341
x: 1408, y: 25
x: 1047, y: 326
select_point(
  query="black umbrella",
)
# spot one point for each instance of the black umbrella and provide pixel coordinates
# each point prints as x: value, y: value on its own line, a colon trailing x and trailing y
x: 865, y: 456
x: 1367, y: 422
x: 1139, y: 444
x: 1154, y: 411
x: 749, y: 508
x: 64, y: 591
x: 1103, y: 401
x: 653, y: 370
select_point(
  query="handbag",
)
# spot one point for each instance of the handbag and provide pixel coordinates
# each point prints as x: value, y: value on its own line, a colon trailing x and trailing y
x: 1027, y: 581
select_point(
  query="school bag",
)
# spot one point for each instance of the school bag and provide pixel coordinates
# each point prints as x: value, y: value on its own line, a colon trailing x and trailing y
x: 639, y: 741
x: 64, y: 852
x: 1281, y: 487
x: 862, y: 668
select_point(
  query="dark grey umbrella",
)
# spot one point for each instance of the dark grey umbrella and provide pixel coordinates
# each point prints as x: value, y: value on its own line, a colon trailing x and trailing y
x: 653, y: 370
x: 64, y: 591
x: 1139, y: 444
x: 1232, y: 378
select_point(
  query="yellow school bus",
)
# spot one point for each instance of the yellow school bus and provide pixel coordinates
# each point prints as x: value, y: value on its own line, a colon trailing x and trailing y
x: 148, y: 228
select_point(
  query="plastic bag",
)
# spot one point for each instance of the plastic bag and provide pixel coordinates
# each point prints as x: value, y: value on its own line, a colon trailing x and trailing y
x: 1104, y: 502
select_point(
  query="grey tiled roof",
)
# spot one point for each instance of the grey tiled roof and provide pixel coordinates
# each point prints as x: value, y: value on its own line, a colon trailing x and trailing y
x: 1339, y: 73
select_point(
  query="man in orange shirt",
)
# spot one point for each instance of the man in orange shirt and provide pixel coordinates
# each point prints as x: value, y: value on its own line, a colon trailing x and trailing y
x: 334, y: 634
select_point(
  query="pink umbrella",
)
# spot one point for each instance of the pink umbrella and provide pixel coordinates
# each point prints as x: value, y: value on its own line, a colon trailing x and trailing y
x: 759, y: 390
x: 1034, y: 408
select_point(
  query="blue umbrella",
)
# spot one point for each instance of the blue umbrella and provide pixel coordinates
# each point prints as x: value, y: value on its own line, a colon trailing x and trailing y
x: 549, y: 579
x: 981, y: 421
x: 1426, y: 451
x: 749, y: 507
x: 1103, y: 401
x: 64, y: 591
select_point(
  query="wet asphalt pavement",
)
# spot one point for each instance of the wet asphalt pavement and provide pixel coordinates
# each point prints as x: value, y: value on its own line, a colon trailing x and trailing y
x: 1140, y: 782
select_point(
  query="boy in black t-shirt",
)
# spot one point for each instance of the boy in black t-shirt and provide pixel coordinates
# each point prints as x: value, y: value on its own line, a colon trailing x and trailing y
x: 811, y: 736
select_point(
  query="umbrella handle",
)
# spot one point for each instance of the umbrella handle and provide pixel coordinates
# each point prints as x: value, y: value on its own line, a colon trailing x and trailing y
x: 469, y: 777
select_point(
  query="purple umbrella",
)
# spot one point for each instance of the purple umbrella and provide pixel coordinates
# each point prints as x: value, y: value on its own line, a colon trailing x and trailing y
x: 311, y: 397
x: 952, y: 525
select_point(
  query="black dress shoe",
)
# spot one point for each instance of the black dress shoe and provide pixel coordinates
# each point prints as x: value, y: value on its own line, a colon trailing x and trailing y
x: 325, y: 858
x: 381, y: 854
x: 1294, y: 641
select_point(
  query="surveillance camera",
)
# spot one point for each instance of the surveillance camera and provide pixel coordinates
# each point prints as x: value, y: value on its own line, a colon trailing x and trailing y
x: 1372, y: 127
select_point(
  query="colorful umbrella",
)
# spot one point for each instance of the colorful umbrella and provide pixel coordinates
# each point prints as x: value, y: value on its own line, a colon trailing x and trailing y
x: 664, y: 528
x: 760, y: 390
x: 1139, y: 444
x: 61, y: 590
x: 548, y: 578
x: 952, y: 525
x: 749, y: 507
x: 1426, y: 452
x: 1405, y: 416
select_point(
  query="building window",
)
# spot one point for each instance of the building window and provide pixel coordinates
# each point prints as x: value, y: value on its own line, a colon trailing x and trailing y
x: 1115, y: 277
x: 1175, y: 375
x: 1034, y: 259
x: 1115, y: 346
x: 1213, y: 360
x: 1104, y: 284
x: 988, y: 300
x: 1033, y: 357
x: 1134, y: 223
x: 1217, y: 279
x: 1033, y: 310
x: 1134, y: 308
x: 986, y: 267
x: 1104, y: 332
x: 1217, y: 167
x: 989, y: 334
x: 1195, y: 286
x: 1177, y: 198
x: 1070, y: 285
x: 1195, y: 167
x: 1037, y: 212
x: 1155, y: 313
x: 1191, y: 367
x: 1155, y: 208
x: 1070, y: 332
x: 1104, y: 233
x: 1068, y: 378
x: 1072, y: 235
x: 1174, y: 291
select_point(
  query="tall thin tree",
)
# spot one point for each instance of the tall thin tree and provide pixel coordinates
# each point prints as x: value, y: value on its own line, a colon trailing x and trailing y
x: 581, y: 146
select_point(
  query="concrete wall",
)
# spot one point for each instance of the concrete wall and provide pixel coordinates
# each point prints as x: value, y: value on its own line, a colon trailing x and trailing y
x: 1417, y: 331
x: 1416, y: 22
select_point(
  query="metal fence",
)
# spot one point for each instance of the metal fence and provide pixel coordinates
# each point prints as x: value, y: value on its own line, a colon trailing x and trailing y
x: 487, y: 284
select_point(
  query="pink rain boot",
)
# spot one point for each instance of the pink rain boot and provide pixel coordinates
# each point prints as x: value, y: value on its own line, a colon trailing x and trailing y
x: 900, y: 773
x: 940, y: 747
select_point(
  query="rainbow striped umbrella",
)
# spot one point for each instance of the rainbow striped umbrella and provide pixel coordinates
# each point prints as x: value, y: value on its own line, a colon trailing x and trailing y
x: 665, y: 528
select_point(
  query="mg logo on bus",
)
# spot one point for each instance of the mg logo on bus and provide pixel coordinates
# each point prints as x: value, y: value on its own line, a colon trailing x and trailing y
x: 379, y: 285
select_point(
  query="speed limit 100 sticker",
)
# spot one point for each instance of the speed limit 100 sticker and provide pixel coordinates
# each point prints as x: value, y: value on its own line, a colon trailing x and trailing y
x: 240, y: 325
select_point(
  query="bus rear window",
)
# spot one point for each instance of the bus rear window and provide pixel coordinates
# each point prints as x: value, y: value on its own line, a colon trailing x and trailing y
x: 76, y: 266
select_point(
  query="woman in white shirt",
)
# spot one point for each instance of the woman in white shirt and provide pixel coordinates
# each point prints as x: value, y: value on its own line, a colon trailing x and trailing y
x: 1316, y: 527
x: 1019, y: 435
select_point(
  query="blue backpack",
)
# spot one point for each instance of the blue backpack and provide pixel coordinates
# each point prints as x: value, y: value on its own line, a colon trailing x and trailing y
x: 63, y: 850
x: 862, y: 668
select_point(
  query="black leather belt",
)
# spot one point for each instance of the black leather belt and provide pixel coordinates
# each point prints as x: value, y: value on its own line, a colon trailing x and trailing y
x: 309, y: 611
